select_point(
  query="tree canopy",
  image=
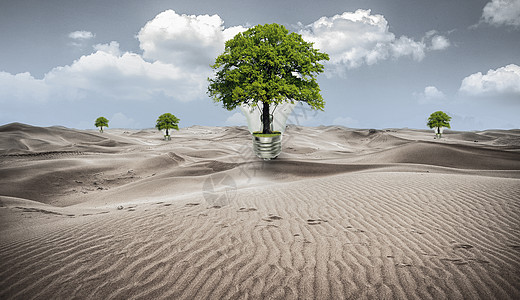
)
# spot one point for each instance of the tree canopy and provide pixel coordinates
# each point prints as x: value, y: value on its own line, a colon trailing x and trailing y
x: 267, y: 64
x: 166, y: 122
x: 439, y: 119
x: 101, y: 122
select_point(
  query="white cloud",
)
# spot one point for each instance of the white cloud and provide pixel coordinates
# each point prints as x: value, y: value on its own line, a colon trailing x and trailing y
x: 356, y: 38
x: 125, y: 76
x: 177, y: 52
x: 504, y: 80
x: 187, y: 41
x: 22, y: 87
x: 106, y: 74
x: 430, y: 94
x: 405, y: 46
x: 81, y: 35
x: 439, y: 42
x: 112, y: 48
x: 237, y: 119
x: 502, y: 12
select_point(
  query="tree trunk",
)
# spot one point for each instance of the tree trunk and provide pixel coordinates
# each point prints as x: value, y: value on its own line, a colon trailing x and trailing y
x: 166, y: 131
x: 266, y: 118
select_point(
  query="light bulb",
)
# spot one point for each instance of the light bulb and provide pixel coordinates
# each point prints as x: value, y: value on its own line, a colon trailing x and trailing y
x: 166, y: 137
x: 267, y: 147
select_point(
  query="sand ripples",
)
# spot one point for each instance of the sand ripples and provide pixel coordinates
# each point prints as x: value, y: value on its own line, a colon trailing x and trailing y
x: 375, y: 235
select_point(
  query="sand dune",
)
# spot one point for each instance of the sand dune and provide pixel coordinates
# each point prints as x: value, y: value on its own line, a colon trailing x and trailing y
x: 341, y: 214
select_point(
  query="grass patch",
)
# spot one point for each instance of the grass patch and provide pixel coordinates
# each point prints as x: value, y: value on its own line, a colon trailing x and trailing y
x: 259, y: 134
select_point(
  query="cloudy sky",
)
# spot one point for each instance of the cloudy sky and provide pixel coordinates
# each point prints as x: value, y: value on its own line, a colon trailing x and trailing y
x: 392, y: 63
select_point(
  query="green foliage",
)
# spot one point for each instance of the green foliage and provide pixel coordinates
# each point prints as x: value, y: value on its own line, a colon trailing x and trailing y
x: 267, y: 64
x: 101, y: 122
x: 167, y: 121
x: 439, y: 119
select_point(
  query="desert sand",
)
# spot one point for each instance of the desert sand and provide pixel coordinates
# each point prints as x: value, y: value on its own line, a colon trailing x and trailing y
x: 340, y: 214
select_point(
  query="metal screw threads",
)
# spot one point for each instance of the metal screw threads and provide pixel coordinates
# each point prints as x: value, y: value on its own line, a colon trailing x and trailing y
x: 268, y: 147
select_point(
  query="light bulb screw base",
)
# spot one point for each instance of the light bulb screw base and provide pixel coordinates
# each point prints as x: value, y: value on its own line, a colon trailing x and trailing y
x: 267, y: 147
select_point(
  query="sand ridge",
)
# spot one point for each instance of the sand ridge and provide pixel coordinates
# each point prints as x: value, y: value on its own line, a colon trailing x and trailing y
x: 341, y: 214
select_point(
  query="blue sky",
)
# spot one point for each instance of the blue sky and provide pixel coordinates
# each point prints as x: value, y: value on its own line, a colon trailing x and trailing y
x: 392, y: 62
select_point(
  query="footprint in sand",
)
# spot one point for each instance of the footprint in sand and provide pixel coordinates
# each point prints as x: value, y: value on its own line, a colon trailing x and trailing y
x: 460, y: 261
x: 400, y: 265
x: 462, y: 246
x: 315, y: 221
x: 192, y: 204
x: 243, y: 209
x: 271, y: 218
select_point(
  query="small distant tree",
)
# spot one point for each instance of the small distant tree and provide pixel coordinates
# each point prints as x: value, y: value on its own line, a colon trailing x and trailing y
x: 101, y: 122
x: 438, y: 120
x: 166, y: 122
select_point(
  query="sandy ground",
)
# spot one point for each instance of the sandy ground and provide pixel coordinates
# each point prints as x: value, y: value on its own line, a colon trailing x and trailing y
x: 341, y: 214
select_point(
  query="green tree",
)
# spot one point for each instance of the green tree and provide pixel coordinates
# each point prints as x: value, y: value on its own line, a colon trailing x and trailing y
x: 167, y: 121
x: 267, y: 64
x: 101, y: 122
x: 437, y: 120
